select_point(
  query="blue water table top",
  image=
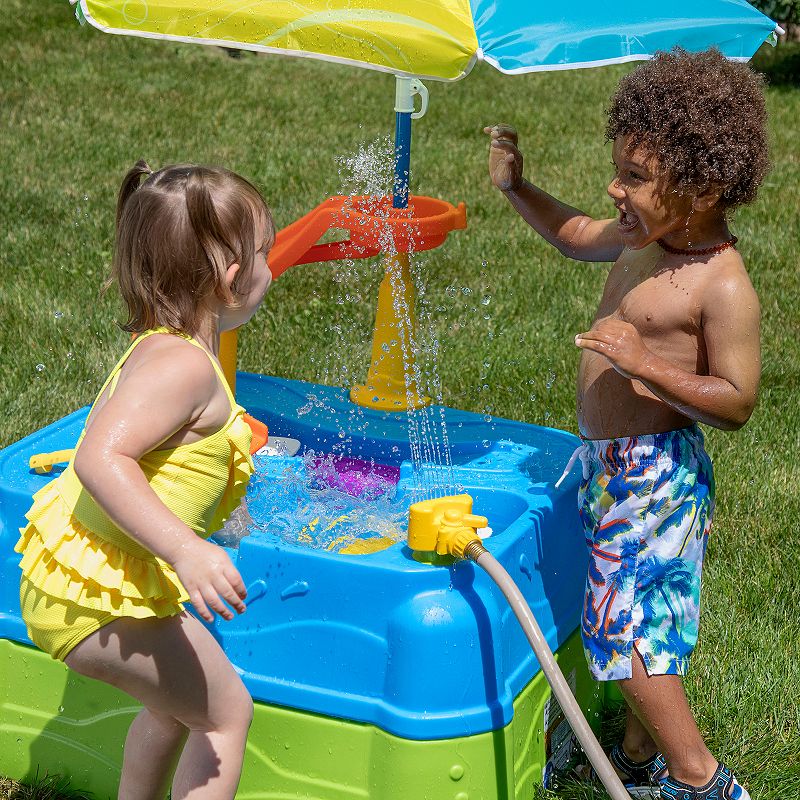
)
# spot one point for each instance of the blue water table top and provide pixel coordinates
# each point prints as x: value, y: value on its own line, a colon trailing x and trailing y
x: 423, y: 651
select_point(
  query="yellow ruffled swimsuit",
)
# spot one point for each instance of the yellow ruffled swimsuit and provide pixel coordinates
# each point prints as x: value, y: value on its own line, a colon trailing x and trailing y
x: 80, y: 571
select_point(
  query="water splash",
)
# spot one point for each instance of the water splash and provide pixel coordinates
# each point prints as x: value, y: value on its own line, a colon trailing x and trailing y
x: 370, y: 172
x: 329, y: 501
x: 321, y: 501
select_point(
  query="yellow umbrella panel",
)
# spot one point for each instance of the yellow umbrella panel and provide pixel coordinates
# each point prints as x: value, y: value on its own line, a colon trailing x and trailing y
x: 415, y: 37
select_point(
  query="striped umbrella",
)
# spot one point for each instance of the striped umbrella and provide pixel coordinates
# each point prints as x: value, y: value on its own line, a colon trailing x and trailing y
x: 442, y: 39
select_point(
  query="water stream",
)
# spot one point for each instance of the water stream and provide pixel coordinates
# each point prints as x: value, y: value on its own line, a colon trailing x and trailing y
x: 328, y: 500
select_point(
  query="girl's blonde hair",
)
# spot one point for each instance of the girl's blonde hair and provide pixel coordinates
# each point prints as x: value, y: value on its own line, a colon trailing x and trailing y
x: 177, y: 234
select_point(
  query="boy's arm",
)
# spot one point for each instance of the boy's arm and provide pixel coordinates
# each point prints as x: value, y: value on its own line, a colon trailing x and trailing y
x: 724, y: 398
x: 572, y: 232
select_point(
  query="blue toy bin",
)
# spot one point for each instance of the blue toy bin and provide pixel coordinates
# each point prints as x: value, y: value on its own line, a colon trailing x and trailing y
x: 421, y: 651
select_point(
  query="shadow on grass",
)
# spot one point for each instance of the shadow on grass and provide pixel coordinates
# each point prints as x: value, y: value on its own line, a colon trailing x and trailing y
x: 780, y: 65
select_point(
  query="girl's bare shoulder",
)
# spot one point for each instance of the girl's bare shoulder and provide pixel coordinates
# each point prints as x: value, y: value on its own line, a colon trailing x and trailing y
x: 170, y: 363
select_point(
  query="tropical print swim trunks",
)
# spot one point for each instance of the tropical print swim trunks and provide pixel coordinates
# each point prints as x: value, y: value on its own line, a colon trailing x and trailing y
x: 646, y: 503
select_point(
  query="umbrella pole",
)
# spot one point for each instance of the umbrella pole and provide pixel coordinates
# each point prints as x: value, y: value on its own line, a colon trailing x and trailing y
x: 406, y: 90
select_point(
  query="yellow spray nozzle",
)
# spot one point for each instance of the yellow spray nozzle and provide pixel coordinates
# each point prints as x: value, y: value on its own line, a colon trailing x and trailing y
x: 42, y: 463
x: 445, y: 525
x: 457, y: 531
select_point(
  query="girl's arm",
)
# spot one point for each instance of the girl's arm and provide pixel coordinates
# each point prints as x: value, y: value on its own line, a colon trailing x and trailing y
x: 153, y: 400
x: 575, y: 234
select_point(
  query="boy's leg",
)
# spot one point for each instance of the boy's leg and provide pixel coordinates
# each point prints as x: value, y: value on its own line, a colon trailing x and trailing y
x: 174, y: 665
x: 660, y: 703
x: 637, y: 743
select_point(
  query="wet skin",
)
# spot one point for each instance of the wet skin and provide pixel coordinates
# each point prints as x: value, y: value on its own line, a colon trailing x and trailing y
x: 676, y: 337
x: 663, y: 298
x: 675, y: 340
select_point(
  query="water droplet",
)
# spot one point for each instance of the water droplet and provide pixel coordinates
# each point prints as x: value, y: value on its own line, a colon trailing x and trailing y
x: 58, y: 314
x: 39, y: 367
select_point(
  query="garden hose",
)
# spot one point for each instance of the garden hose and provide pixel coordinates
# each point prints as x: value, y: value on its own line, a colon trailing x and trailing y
x: 476, y: 552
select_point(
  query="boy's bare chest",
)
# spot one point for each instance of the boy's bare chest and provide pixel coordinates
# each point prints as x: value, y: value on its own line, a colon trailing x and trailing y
x: 657, y: 302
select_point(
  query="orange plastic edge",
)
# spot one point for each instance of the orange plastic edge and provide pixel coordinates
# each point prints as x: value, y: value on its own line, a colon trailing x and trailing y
x: 424, y: 225
x: 260, y: 433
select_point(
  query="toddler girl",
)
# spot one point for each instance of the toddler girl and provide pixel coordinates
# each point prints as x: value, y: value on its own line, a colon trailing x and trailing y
x: 117, y: 543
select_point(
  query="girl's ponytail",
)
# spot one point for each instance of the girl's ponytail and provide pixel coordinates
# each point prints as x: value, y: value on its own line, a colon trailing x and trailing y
x: 130, y: 183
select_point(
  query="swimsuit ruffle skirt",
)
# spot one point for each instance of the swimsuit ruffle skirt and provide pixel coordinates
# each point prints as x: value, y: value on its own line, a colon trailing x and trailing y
x: 80, y: 571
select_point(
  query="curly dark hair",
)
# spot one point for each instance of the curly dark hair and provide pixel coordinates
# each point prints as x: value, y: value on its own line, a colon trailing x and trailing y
x: 702, y: 116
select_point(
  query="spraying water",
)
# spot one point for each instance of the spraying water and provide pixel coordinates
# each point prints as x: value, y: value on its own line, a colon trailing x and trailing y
x: 371, y: 172
x: 306, y: 500
x: 321, y: 501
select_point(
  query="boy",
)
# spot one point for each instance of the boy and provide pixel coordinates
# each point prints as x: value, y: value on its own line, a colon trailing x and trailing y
x: 674, y: 342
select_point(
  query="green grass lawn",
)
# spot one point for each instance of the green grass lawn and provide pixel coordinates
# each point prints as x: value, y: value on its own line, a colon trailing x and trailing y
x: 79, y: 107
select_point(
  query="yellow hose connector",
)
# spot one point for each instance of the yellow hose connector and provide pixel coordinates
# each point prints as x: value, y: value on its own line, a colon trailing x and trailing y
x: 444, y: 525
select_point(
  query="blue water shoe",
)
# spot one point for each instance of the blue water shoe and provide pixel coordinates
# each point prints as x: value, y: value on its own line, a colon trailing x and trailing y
x: 641, y: 779
x: 722, y: 786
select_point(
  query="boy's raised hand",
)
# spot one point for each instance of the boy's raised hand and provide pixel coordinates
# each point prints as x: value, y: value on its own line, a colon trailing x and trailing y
x: 505, y: 159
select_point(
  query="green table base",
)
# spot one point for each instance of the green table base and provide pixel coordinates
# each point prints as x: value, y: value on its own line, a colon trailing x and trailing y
x: 61, y: 723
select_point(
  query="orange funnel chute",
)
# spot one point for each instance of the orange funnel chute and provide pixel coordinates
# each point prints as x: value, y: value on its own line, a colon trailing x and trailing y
x: 373, y: 225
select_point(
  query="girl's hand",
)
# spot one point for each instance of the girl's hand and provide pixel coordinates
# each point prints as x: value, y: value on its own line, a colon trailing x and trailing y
x: 505, y: 160
x: 209, y: 577
x: 619, y: 342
